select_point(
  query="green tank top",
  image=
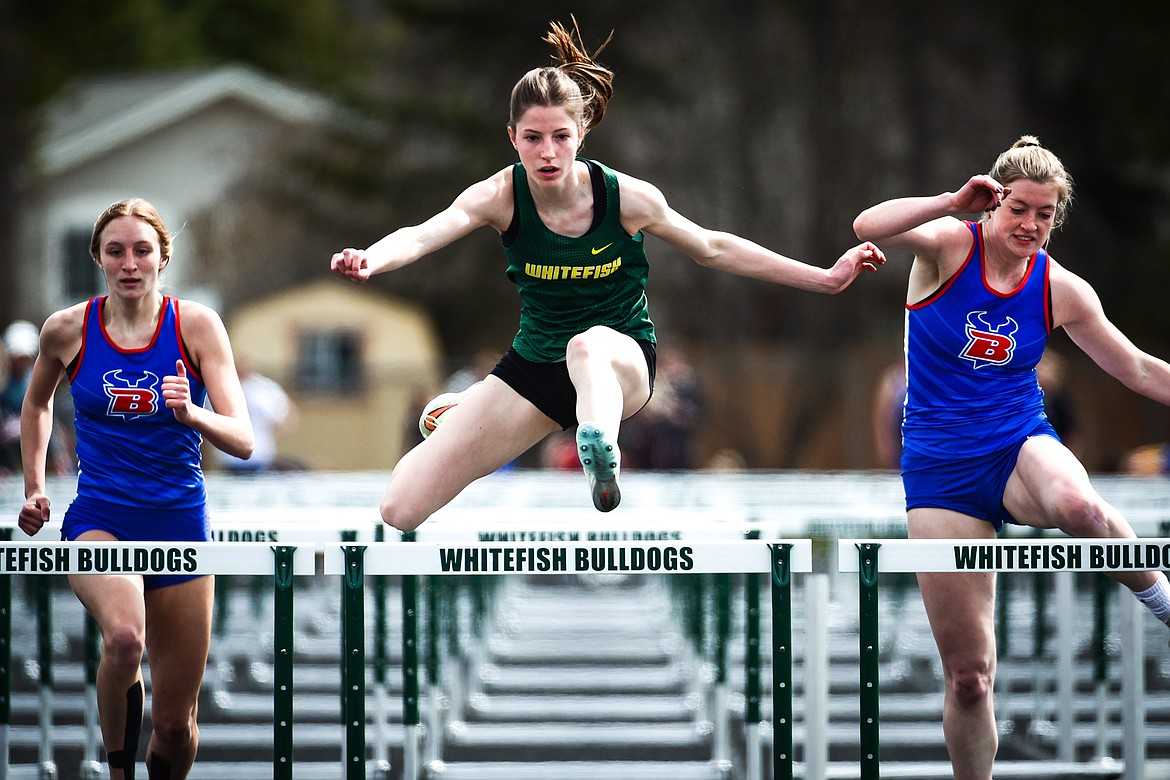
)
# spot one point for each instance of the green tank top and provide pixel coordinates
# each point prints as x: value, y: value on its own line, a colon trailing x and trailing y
x: 568, y: 285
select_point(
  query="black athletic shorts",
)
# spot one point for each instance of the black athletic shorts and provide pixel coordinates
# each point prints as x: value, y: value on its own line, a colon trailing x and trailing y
x: 547, y: 387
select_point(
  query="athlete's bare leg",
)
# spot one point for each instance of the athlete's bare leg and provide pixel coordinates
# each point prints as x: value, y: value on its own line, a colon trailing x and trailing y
x: 610, y: 374
x: 491, y: 427
x: 612, y: 380
x: 961, y: 611
x: 1049, y: 488
x: 178, y: 635
x: 116, y: 603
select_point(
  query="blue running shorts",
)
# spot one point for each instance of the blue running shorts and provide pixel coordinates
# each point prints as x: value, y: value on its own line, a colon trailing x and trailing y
x: 970, y: 486
x: 136, y: 524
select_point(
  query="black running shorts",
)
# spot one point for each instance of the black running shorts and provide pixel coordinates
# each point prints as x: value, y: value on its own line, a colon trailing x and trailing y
x: 547, y: 386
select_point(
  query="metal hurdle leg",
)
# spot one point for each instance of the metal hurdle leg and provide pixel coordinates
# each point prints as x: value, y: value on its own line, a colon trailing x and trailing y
x: 410, y: 686
x: 1066, y: 715
x: 91, y: 765
x: 1132, y: 688
x: 867, y: 583
x: 450, y: 614
x: 1041, y: 725
x: 435, y: 696
x: 411, y: 759
x: 1101, y: 589
x: 720, y: 714
x: 698, y: 623
x: 752, y: 692
x: 381, y: 659
x: 816, y: 677
x: 781, y: 660
x: 381, y: 689
x: 353, y: 680
x: 48, y: 766
x: 282, y: 650
x: 688, y: 596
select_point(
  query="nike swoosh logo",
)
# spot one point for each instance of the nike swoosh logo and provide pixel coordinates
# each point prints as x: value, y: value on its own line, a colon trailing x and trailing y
x: 597, y: 251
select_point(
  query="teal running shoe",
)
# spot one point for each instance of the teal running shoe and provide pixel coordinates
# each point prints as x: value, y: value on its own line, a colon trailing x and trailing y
x: 601, y: 460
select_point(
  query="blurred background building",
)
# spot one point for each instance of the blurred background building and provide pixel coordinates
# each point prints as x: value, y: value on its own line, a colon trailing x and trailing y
x: 187, y: 141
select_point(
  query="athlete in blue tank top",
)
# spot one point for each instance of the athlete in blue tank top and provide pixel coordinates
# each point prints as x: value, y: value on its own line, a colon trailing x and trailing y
x: 140, y: 365
x: 971, y: 355
x: 130, y: 448
x: 978, y: 450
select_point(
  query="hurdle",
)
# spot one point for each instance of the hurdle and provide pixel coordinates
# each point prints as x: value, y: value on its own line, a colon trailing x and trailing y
x: 869, y: 557
x: 282, y: 562
x: 458, y: 527
x: 670, y: 557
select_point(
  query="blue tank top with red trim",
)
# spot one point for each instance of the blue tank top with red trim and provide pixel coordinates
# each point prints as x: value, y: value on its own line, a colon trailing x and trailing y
x: 130, y: 448
x: 971, y: 355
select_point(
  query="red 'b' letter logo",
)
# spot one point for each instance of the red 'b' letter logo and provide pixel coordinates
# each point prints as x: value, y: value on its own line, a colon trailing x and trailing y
x: 989, y: 345
x: 131, y: 396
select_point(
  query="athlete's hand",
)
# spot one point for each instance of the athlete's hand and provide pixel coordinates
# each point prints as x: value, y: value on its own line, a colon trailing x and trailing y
x: 34, y: 514
x: 352, y: 264
x: 980, y: 193
x: 863, y: 257
x: 176, y: 392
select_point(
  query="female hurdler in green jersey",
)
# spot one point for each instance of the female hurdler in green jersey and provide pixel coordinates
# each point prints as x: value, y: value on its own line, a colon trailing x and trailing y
x: 573, y: 232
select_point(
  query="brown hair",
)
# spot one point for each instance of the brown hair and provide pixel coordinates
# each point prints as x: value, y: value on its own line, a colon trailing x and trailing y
x: 140, y: 209
x: 1027, y: 159
x: 578, y: 83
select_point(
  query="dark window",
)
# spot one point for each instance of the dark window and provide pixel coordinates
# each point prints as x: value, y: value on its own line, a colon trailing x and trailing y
x: 329, y: 361
x: 83, y: 279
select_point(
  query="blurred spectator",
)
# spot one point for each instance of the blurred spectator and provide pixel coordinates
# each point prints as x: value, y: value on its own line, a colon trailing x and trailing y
x: 889, y: 400
x: 660, y: 437
x: 1058, y: 404
x: 271, y: 411
x: 480, y: 366
x: 558, y: 451
x: 1148, y: 460
x: 21, y: 344
x: 726, y: 459
x: 9, y: 422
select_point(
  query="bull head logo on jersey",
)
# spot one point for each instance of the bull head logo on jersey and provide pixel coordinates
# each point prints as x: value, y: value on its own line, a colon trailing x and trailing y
x: 987, y: 344
x: 131, y: 396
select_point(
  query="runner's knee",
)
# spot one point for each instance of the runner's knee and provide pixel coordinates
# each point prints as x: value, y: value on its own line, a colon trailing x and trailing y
x: 1082, y: 516
x: 594, y: 343
x: 174, y: 730
x: 970, y: 685
x: 579, y: 349
x: 123, y: 646
x: 397, y: 514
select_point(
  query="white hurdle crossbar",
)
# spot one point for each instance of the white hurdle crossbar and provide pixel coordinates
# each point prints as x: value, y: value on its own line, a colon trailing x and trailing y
x: 869, y: 557
x: 780, y: 558
x: 196, y: 558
